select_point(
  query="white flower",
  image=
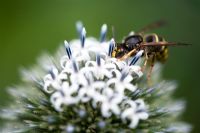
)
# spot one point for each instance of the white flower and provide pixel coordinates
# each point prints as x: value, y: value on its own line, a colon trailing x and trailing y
x: 103, y: 33
x: 122, y: 81
x: 53, y: 79
x: 111, y: 105
x: 100, y: 68
x: 70, y: 128
x: 135, y: 112
x: 135, y: 70
x: 120, y: 64
x: 84, y: 53
x: 66, y: 58
x: 91, y: 90
x: 64, y: 96
x: 89, y: 74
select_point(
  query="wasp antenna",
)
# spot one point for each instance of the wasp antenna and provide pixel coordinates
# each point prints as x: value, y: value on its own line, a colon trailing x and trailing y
x: 184, y: 44
x: 165, y: 44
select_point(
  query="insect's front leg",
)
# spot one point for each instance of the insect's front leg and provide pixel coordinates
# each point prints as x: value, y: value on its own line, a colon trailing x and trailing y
x: 151, y: 69
x: 145, y: 62
x: 129, y: 54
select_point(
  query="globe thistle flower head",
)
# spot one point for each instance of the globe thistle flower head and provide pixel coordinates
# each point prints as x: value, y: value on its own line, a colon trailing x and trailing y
x: 94, y: 77
x: 84, y: 89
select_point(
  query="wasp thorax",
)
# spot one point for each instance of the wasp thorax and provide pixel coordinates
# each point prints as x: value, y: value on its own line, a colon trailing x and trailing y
x: 133, y: 41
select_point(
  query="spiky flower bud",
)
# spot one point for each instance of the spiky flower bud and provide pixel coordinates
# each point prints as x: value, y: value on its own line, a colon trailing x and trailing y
x: 84, y: 89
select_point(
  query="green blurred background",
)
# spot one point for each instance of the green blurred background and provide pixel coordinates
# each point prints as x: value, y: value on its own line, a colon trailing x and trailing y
x: 29, y: 27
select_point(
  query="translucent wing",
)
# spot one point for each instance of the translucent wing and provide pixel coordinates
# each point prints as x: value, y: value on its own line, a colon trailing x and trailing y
x: 154, y: 25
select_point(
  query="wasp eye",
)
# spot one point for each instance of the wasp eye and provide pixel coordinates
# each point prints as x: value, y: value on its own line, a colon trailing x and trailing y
x: 150, y: 39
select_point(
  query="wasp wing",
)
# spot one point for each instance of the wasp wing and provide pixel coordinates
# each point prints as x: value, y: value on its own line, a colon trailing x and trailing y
x: 151, y: 26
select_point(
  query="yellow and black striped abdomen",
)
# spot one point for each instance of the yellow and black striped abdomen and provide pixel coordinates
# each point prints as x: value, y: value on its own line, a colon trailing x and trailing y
x: 162, y: 55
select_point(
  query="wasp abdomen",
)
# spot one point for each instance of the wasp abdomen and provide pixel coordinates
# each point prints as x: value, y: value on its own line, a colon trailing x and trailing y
x: 162, y: 55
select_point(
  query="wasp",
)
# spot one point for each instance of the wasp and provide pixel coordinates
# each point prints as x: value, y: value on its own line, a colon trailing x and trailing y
x: 151, y: 46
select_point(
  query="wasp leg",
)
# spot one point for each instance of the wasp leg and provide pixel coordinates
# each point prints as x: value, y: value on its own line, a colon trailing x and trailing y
x: 127, y: 55
x: 145, y: 63
x: 150, y: 70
